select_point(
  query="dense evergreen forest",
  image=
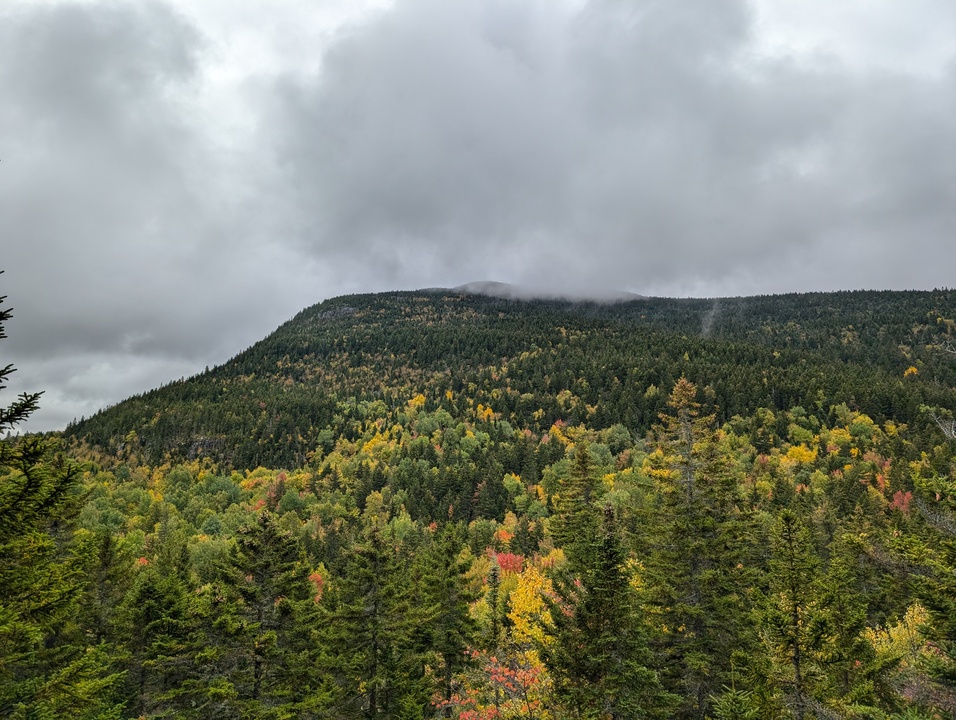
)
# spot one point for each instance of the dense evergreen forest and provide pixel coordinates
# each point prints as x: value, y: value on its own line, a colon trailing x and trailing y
x: 442, y: 505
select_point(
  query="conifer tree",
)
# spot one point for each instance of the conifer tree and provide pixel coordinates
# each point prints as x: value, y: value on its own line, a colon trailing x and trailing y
x: 47, y: 667
x: 258, y: 637
x: 695, y: 558
x: 162, y: 642
x: 577, y: 517
x: 450, y: 628
x: 493, y: 598
x: 108, y: 572
x: 599, y: 658
x: 370, y: 629
x: 847, y: 657
x: 937, y: 587
x: 792, y: 618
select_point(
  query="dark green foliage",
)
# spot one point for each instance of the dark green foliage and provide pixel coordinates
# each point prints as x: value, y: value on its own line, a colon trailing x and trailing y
x: 450, y: 630
x: 697, y: 542
x: 576, y: 520
x: 47, y: 667
x: 493, y: 633
x: 935, y: 581
x: 163, y: 638
x: 372, y: 629
x: 735, y: 704
x: 25, y: 405
x: 107, y: 570
x: 256, y: 641
x: 793, y: 616
x: 599, y: 657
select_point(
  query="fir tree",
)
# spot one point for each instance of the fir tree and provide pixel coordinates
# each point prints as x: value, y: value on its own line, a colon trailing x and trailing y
x: 47, y: 667
x: 450, y: 628
x: 599, y: 659
x: 162, y: 640
x: 576, y: 515
x: 108, y: 573
x: 369, y: 628
x: 493, y: 599
x: 695, y: 557
x: 258, y: 636
x: 936, y: 584
x: 792, y: 618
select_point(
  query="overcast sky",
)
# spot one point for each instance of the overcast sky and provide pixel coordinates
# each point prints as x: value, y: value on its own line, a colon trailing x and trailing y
x: 178, y: 178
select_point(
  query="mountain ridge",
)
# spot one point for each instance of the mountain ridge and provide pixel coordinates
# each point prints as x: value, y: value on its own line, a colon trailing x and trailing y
x: 537, y: 361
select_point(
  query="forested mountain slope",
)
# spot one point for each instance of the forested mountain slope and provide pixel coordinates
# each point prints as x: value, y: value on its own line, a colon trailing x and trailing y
x: 435, y: 504
x: 535, y: 362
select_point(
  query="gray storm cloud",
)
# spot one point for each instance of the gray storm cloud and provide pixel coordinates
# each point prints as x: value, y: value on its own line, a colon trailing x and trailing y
x: 94, y: 191
x: 132, y: 237
x: 642, y: 144
x: 165, y: 199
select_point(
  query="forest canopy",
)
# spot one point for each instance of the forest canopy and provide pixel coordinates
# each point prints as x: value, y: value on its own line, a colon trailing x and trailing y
x: 435, y: 504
